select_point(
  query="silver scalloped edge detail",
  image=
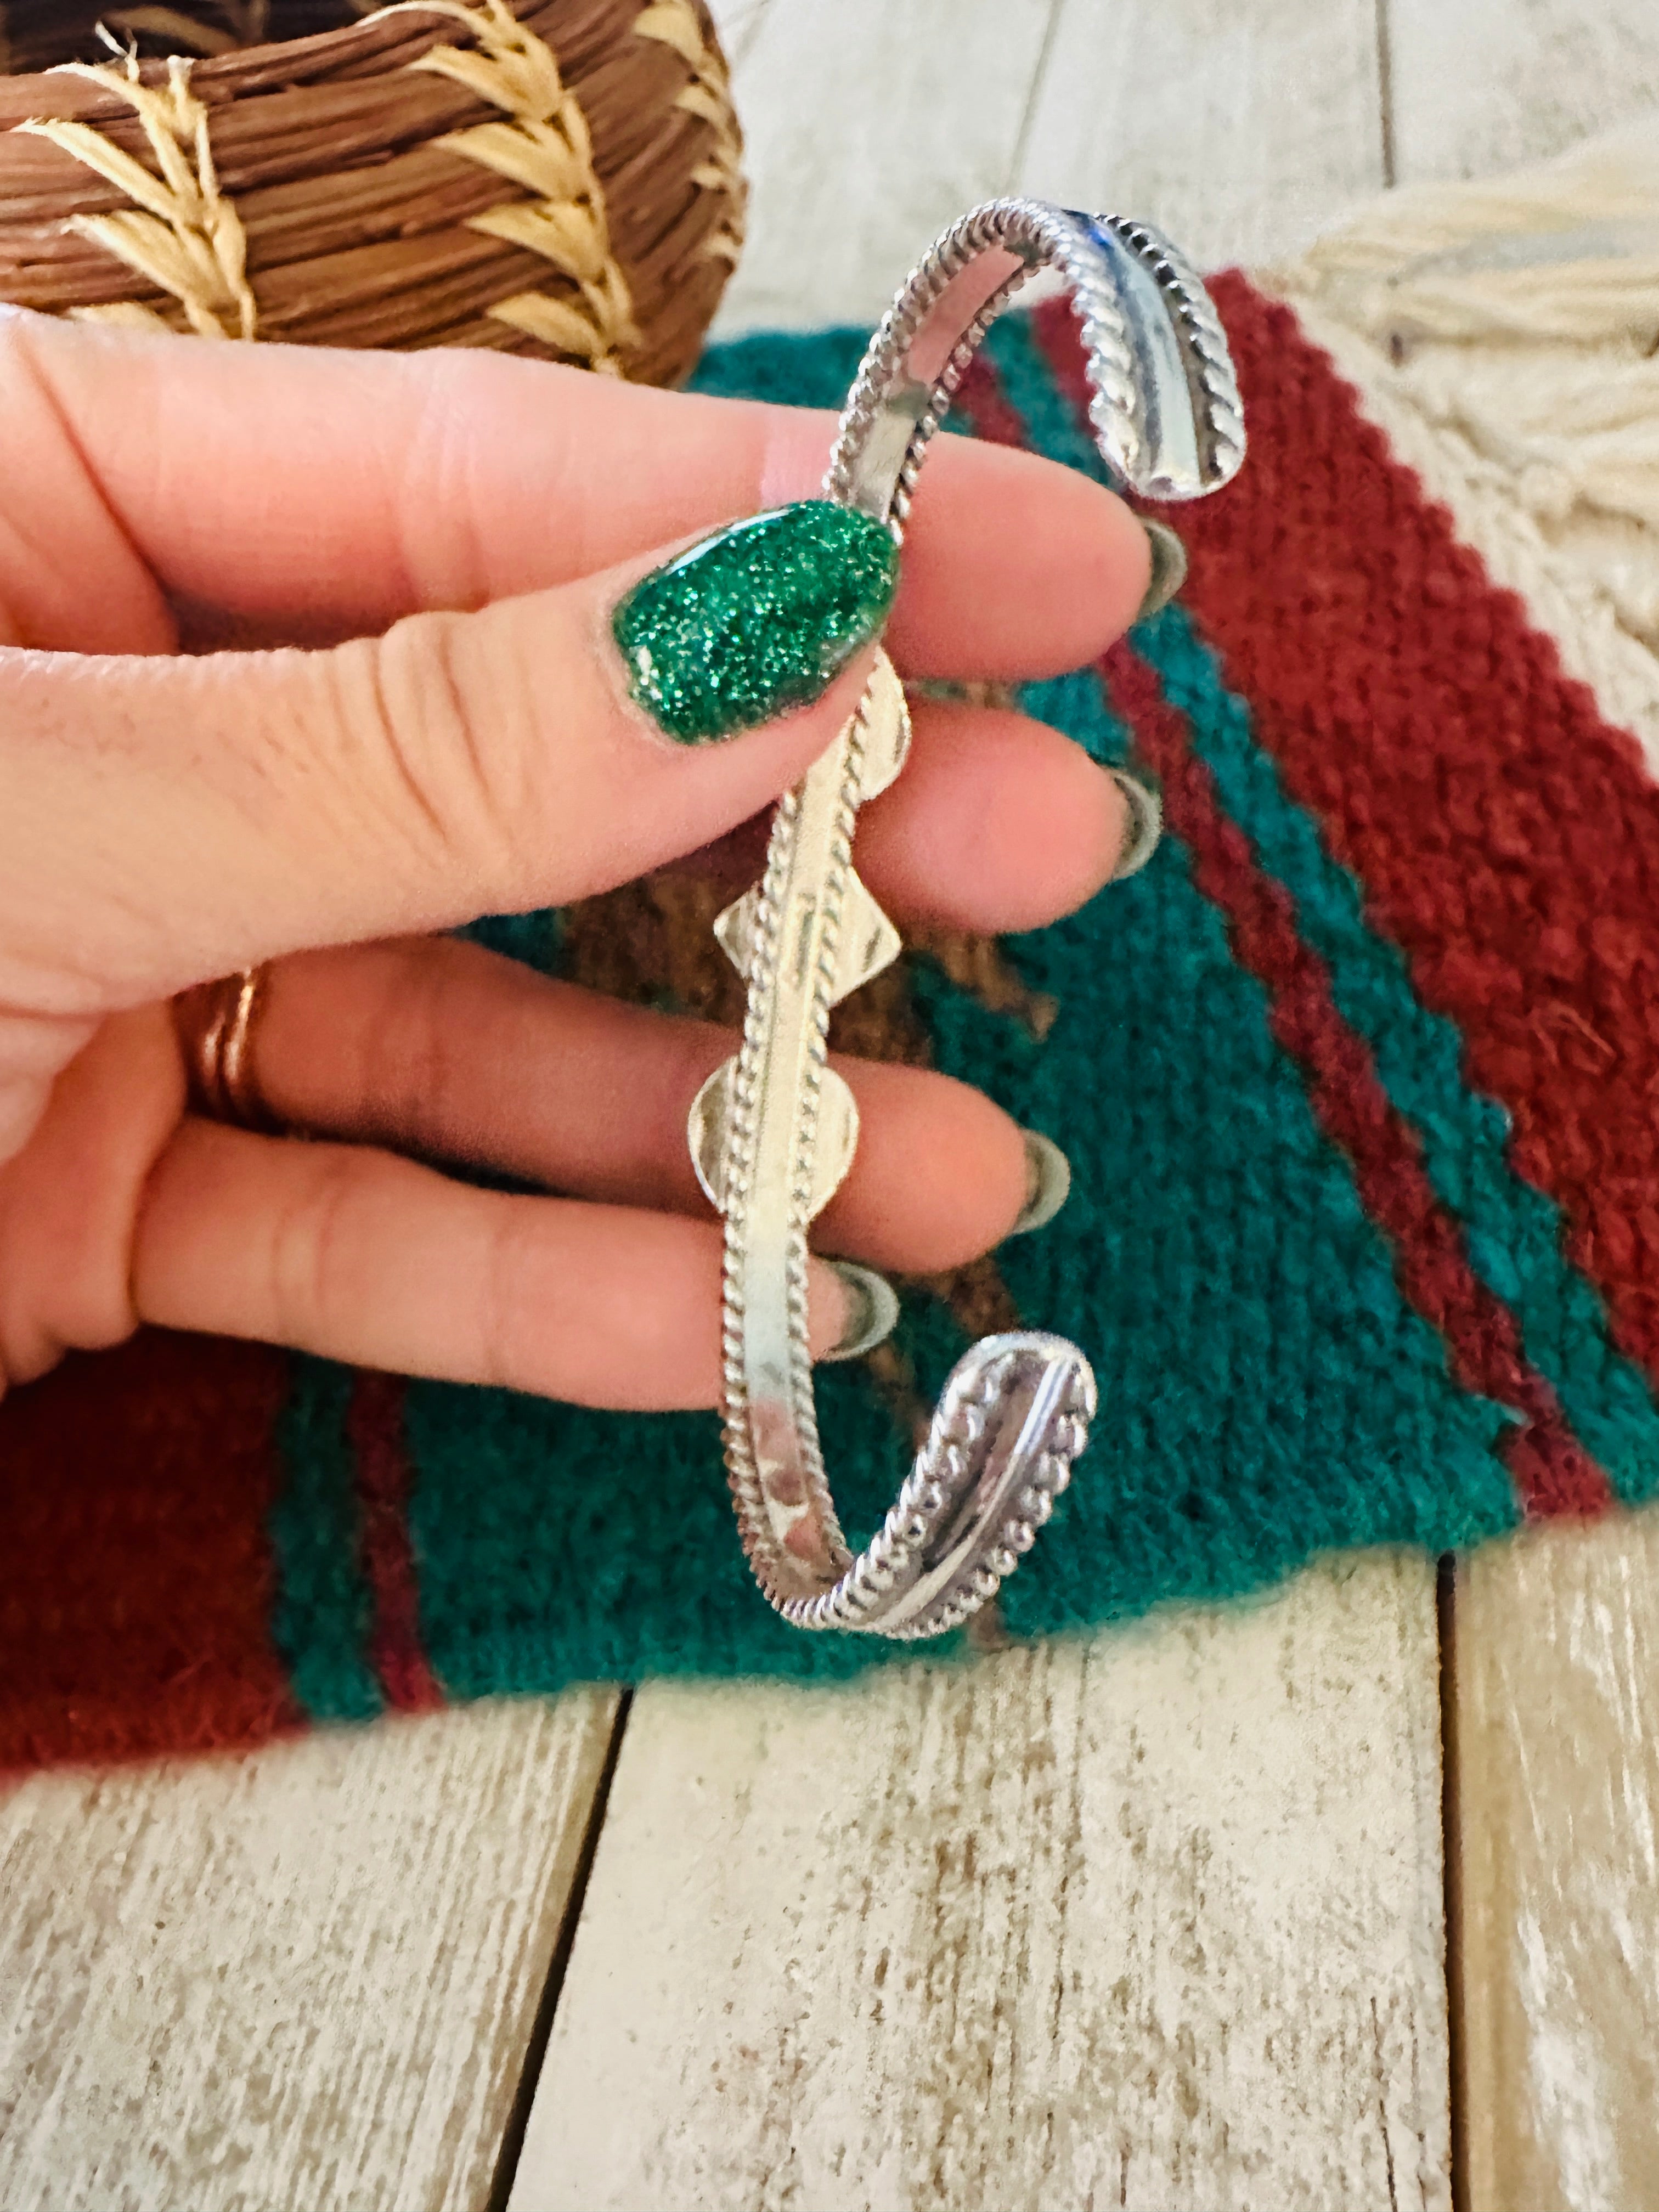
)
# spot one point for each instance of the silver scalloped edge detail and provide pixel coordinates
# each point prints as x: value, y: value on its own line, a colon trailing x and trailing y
x: 1015, y: 1412
x: 877, y: 1594
x: 1205, y: 342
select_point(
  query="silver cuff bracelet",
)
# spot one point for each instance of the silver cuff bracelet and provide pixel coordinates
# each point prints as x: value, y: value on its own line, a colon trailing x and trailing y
x: 774, y: 1130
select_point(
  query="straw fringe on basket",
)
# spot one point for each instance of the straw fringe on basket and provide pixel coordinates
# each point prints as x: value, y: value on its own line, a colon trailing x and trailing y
x: 181, y: 234
x: 481, y: 188
x: 708, y: 95
x: 545, y: 148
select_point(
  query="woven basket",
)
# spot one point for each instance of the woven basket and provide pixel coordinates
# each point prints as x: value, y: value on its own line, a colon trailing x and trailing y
x: 563, y: 183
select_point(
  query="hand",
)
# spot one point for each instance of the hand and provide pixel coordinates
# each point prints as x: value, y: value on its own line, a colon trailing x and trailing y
x: 305, y: 656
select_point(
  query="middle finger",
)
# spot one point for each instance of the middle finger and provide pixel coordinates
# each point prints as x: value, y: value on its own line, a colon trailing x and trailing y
x: 997, y: 824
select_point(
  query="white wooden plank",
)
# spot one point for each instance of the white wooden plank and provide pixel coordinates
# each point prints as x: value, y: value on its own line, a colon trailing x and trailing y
x: 870, y: 125
x: 1486, y: 85
x: 1556, y: 1660
x: 1148, y: 1920
x: 303, y: 1977
x: 1238, y: 126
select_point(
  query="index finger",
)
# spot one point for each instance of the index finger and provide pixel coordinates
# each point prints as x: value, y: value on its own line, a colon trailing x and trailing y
x: 303, y: 491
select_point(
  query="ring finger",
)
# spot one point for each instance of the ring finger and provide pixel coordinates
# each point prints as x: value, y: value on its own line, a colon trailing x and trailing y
x: 342, y: 1250
x: 440, y: 1049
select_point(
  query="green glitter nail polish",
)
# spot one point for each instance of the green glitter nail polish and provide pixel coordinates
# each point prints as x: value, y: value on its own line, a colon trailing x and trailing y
x: 760, y: 617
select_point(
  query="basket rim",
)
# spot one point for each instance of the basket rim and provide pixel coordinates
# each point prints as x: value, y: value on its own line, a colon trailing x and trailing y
x: 378, y: 38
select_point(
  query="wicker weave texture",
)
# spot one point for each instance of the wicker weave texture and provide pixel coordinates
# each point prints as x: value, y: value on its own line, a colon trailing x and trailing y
x: 563, y: 182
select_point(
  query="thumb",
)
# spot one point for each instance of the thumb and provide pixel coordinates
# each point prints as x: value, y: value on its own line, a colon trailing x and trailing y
x: 167, y: 820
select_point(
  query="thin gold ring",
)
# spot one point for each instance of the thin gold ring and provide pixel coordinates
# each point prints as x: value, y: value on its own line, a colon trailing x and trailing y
x: 218, y: 1025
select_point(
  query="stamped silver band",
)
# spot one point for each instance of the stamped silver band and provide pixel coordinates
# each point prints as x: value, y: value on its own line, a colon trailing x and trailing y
x: 773, y: 1133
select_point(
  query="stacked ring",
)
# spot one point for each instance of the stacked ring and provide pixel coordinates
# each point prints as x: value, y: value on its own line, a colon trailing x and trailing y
x: 216, y: 1024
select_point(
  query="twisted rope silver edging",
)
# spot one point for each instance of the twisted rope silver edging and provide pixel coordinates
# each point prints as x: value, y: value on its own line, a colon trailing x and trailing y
x: 1014, y: 1414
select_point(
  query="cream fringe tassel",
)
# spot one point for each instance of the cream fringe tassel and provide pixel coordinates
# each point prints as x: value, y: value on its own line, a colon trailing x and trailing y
x: 1503, y: 334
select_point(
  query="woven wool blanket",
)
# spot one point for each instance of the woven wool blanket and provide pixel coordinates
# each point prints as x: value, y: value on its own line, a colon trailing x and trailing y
x: 1358, y: 1078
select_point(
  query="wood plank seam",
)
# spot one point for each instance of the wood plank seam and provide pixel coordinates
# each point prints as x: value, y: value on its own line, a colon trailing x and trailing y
x: 1034, y: 94
x: 535, y: 2046
x: 1385, y: 91
x: 1445, y: 1594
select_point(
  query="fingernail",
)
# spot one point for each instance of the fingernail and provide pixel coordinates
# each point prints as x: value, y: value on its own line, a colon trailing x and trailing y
x: 759, y: 618
x: 1047, y: 1182
x: 872, y: 1310
x: 1168, y: 567
x: 1145, y: 826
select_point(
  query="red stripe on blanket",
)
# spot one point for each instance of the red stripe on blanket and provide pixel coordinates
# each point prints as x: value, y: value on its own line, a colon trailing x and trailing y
x: 374, y: 1428
x: 135, y: 1578
x: 1506, y: 835
x: 982, y: 402
x: 1551, y: 1471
